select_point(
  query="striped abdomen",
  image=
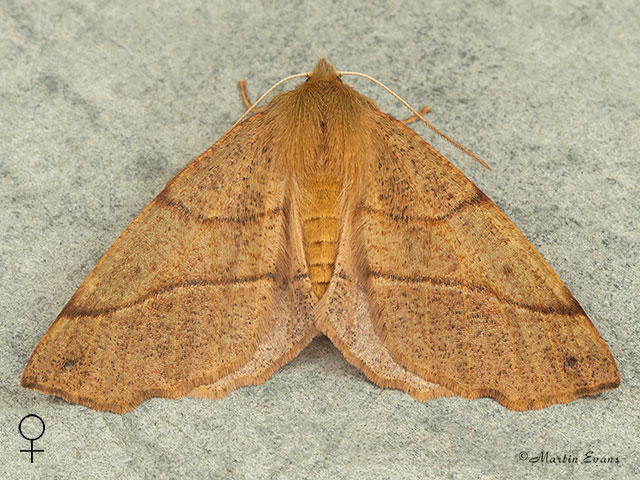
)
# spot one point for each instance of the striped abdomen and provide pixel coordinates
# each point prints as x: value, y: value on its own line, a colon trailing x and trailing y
x: 320, y: 229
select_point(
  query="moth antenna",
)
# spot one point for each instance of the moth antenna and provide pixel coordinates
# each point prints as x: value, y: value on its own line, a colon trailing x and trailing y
x: 277, y: 84
x: 415, y: 112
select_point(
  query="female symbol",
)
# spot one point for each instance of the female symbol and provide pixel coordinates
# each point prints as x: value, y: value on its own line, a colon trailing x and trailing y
x: 31, y: 449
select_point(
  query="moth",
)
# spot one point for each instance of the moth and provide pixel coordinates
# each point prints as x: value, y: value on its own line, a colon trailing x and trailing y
x: 319, y: 214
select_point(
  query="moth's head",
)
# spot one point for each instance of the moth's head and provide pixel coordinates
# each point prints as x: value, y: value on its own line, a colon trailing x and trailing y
x: 323, y: 71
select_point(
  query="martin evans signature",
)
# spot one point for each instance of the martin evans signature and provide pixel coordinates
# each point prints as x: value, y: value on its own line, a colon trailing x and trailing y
x: 544, y: 456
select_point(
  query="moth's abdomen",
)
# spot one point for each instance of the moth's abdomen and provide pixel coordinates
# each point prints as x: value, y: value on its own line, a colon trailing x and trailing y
x: 320, y: 229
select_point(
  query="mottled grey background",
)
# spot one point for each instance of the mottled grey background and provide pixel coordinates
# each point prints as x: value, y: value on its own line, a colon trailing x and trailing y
x: 102, y: 102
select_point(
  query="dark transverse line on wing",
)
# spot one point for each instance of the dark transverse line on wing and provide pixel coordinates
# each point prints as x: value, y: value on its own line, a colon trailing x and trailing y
x: 72, y: 312
x: 477, y: 199
x: 178, y: 205
x: 572, y: 309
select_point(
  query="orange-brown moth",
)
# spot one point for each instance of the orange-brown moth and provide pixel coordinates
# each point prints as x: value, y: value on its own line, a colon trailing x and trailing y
x: 321, y: 214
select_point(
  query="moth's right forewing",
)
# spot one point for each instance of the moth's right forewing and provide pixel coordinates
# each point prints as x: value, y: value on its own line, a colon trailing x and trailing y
x: 458, y: 296
x: 462, y: 299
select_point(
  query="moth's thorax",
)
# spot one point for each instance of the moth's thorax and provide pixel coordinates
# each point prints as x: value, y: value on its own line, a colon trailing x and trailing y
x: 321, y: 124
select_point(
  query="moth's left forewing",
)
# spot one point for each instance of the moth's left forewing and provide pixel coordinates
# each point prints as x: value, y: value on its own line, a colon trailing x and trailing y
x: 189, y: 295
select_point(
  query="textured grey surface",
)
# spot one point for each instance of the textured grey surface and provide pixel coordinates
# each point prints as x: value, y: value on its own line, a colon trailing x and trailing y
x: 100, y: 104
